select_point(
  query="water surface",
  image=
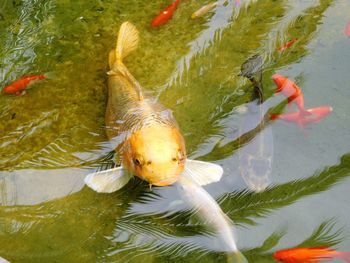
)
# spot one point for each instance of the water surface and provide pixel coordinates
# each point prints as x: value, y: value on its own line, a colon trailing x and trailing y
x: 53, y: 135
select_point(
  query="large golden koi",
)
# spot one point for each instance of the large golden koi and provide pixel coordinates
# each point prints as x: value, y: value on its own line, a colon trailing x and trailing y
x: 147, y: 139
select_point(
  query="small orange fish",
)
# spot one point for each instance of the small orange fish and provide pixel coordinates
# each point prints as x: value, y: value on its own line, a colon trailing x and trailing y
x: 316, y: 115
x: 347, y: 29
x: 309, y: 255
x: 165, y: 15
x: 20, y: 85
x: 289, y: 89
x: 287, y: 45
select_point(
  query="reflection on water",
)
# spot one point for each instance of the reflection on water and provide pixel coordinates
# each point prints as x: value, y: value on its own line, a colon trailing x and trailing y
x: 95, y: 223
x: 52, y: 136
x: 31, y: 187
x: 255, y: 156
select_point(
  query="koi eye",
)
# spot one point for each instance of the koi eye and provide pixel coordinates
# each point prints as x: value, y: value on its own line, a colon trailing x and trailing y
x: 180, y: 156
x: 137, y: 162
x: 174, y: 159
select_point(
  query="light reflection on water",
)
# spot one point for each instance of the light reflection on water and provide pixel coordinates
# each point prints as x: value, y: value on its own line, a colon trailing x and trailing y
x: 53, y: 135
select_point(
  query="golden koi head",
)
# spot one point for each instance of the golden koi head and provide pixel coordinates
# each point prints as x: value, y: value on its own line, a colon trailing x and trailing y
x: 156, y: 154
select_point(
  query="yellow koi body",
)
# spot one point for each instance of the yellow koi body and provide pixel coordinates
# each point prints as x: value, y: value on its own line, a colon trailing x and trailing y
x: 145, y: 135
x: 150, y: 145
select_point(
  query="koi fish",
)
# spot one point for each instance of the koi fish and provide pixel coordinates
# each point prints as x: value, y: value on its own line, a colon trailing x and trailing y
x: 316, y: 115
x: 204, y: 9
x: 287, y: 45
x: 309, y: 255
x: 210, y: 212
x: 165, y: 15
x: 256, y: 155
x: 289, y: 89
x: 147, y: 140
x: 347, y: 29
x: 20, y: 85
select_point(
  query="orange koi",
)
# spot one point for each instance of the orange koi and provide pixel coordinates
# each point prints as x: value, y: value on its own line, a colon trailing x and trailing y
x: 316, y: 115
x: 20, y: 85
x: 289, y: 89
x: 309, y: 255
x: 287, y: 45
x: 165, y: 15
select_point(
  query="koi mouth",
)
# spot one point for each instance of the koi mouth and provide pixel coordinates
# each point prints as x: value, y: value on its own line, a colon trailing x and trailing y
x: 165, y: 182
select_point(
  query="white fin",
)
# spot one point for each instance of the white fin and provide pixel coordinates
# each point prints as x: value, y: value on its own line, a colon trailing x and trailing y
x: 128, y: 39
x: 108, y: 181
x: 2, y: 260
x: 202, y: 172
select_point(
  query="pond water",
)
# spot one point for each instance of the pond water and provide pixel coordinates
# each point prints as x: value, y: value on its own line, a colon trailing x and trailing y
x: 52, y: 136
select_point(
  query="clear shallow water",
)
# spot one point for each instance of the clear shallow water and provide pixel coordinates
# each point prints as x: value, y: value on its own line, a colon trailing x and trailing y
x: 52, y: 136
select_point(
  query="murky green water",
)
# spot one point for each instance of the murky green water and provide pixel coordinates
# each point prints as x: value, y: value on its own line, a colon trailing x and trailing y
x: 52, y: 136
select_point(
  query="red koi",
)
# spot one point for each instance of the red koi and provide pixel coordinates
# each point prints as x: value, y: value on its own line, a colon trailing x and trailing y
x: 287, y: 45
x: 316, y: 115
x: 309, y: 255
x: 165, y: 15
x: 289, y: 89
x: 347, y: 29
x: 20, y: 85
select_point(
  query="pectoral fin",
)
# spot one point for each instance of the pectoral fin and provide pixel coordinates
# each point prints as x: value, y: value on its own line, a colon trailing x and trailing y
x: 108, y: 181
x: 202, y: 172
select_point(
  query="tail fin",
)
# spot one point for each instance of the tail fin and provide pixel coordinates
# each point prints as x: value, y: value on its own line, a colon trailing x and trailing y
x: 128, y: 39
x: 176, y: 3
x: 304, y: 113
